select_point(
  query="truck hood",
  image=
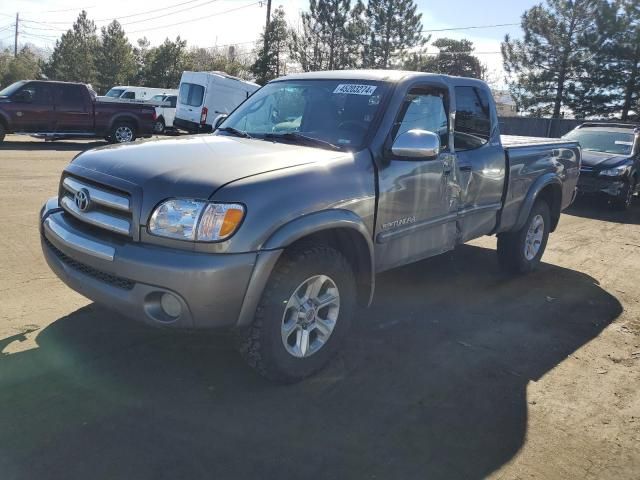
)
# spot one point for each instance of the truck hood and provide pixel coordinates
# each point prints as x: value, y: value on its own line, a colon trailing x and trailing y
x: 193, y: 166
x: 602, y: 159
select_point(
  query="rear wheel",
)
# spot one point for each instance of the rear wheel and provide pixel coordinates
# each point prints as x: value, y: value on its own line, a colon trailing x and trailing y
x: 122, y: 133
x: 624, y: 200
x: 521, y: 251
x: 303, y: 315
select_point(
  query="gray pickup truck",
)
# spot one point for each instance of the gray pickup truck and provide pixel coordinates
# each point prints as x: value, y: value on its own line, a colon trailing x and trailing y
x: 277, y: 224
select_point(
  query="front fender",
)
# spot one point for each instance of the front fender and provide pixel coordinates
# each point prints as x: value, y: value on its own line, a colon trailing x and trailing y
x: 550, y: 178
x: 302, y: 227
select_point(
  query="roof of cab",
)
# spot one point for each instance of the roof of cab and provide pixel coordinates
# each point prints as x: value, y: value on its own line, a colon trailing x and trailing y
x: 390, y: 76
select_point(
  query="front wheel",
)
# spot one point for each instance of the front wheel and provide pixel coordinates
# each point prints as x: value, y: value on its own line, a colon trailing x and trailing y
x: 303, y: 315
x: 624, y: 200
x: 521, y: 251
x: 122, y: 133
x: 159, y: 126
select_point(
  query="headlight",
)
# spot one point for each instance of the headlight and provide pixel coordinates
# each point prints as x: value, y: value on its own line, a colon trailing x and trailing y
x: 615, y: 172
x: 196, y: 220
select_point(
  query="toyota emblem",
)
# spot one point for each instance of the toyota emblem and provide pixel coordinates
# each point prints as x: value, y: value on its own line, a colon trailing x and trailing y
x: 82, y: 200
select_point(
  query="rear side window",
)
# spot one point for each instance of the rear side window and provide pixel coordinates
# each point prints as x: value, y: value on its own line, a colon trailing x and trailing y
x: 70, y: 97
x: 473, y: 118
x: 191, y: 94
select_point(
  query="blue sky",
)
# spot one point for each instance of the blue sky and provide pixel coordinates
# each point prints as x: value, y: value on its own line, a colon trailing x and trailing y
x: 209, y: 22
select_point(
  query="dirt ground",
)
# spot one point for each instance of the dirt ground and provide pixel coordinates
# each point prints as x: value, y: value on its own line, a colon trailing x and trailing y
x: 457, y: 371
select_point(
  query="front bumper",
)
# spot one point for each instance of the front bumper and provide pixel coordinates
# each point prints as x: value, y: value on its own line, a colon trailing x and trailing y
x: 591, y: 184
x: 131, y: 277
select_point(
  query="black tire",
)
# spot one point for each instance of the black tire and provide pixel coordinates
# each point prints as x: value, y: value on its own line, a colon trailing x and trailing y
x: 3, y: 132
x: 159, y: 127
x: 262, y: 344
x: 624, y: 201
x: 118, y: 133
x: 511, y: 245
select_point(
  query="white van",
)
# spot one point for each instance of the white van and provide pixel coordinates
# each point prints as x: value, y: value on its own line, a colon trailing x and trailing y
x: 136, y: 93
x: 205, y: 96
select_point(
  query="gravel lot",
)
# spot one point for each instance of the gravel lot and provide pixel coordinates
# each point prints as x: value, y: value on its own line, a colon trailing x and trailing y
x: 458, y: 370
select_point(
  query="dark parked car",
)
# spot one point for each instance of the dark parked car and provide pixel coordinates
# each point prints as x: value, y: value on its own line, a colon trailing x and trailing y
x: 610, y: 160
x: 57, y: 110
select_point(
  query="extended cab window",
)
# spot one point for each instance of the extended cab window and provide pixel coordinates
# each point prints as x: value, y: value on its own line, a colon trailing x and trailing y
x: 473, y: 118
x: 191, y: 94
x: 424, y: 109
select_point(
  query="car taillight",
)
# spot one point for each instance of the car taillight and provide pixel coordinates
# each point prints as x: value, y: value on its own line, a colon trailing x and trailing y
x: 203, y: 115
x: 154, y: 117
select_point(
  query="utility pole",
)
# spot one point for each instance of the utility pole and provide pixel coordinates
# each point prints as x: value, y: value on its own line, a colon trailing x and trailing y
x: 266, y: 28
x: 15, y: 45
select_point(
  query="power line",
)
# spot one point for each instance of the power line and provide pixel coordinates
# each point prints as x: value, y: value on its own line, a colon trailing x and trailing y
x: 196, y: 19
x: 170, y: 13
x: 470, y: 28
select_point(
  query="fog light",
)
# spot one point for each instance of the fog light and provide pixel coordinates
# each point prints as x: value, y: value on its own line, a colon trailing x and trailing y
x: 170, y: 305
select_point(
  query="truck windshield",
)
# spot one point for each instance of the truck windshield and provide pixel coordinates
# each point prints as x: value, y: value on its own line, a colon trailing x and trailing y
x: 11, y: 89
x: 114, y: 92
x: 337, y: 112
x: 618, y: 143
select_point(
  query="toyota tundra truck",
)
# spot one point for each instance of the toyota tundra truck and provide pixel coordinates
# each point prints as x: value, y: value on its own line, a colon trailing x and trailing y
x: 277, y: 224
x: 66, y: 110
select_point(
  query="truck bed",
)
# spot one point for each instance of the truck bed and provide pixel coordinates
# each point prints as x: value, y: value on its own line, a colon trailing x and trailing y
x: 510, y: 141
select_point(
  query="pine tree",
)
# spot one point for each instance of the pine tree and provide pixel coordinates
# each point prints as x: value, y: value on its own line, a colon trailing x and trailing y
x: 328, y: 40
x: 74, y: 56
x: 166, y: 63
x: 455, y: 57
x: 545, y: 67
x: 395, y: 28
x: 115, y: 61
x: 270, y: 61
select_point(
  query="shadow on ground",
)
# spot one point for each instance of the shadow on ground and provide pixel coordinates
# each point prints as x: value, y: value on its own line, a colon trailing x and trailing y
x: 58, y: 145
x: 431, y: 384
x: 598, y: 208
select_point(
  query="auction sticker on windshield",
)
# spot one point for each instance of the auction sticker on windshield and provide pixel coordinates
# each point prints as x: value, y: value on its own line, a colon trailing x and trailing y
x: 352, y: 89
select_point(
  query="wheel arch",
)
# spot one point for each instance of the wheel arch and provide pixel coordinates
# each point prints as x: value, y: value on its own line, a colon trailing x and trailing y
x: 548, y: 188
x: 339, y: 229
x: 124, y: 118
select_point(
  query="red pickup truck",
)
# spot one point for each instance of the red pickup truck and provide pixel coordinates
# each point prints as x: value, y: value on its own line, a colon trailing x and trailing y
x: 56, y: 110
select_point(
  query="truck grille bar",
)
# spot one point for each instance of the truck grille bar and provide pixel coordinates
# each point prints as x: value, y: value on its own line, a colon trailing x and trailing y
x: 103, y: 209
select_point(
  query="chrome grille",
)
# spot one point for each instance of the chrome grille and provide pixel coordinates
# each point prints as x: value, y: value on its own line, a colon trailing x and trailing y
x: 105, y: 209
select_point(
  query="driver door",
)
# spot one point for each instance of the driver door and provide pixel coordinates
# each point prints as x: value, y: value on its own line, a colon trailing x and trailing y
x: 33, y: 109
x: 416, y: 213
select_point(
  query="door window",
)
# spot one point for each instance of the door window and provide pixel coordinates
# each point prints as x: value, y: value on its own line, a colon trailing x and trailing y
x: 70, y: 97
x: 129, y: 95
x: 172, y: 101
x: 473, y: 118
x: 424, y: 110
x: 191, y: 94
x: 40, y: 93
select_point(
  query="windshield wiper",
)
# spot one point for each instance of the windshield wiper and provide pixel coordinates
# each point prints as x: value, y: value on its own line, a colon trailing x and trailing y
x: 235, y: 132
x: 301, y: 139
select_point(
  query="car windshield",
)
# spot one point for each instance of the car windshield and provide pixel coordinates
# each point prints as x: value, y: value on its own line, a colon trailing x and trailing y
x: 618, y: 143
x: 11, y: 89
x: 333, y: 112
x: 114, y: 92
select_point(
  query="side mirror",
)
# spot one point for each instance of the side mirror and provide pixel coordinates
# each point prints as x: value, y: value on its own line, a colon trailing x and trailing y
x: 24, y: 96
x: 418, y: 144
x: 219, y: 120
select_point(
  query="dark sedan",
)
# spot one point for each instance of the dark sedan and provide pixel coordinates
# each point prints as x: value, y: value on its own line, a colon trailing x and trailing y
x: 610, y: 160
